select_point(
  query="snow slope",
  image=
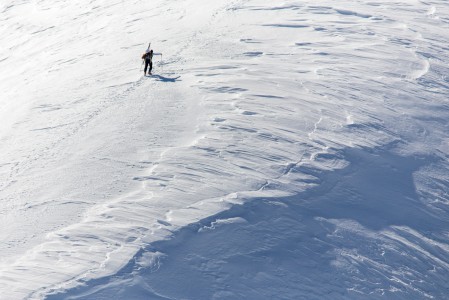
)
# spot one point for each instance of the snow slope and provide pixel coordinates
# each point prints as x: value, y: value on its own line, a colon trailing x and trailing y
x: 292, y: 150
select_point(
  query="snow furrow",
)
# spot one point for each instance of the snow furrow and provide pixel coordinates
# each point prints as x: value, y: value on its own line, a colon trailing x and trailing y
x: 311, y: 136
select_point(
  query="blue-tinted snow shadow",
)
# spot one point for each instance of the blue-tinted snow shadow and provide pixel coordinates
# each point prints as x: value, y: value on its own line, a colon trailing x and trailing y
x: 164, y: 78
x: 291, y: 247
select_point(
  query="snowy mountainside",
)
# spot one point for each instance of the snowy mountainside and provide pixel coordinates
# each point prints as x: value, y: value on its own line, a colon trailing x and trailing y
x: 294, y: 150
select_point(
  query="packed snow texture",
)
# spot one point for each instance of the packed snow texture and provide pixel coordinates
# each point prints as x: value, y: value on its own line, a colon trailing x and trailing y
x: 281, y: 150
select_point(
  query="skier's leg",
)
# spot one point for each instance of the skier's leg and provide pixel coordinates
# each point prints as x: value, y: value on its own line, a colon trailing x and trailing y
x: 146, y: 66
x: 151, y: 66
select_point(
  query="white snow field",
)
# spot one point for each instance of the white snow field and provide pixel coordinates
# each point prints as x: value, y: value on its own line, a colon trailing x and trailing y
x: 282, y: 149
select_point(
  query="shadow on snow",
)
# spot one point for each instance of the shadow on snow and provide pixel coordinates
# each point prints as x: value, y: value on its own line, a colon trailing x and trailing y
x: 335, y: 241
x: 163, y: 78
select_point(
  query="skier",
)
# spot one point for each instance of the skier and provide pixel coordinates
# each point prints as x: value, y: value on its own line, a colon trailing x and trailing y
x: 148, y: 57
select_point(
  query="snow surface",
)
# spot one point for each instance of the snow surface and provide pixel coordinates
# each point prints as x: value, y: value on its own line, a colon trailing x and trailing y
x: 282, y: 150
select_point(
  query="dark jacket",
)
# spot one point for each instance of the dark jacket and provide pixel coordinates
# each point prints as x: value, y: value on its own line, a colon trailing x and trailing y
x: 148, y: 55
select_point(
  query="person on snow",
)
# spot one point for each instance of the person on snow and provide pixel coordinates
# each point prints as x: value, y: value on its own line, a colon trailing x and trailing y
x: 148, y: 57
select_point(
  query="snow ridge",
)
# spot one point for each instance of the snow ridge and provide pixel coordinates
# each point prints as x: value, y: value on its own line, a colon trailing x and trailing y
x: 303, y: 142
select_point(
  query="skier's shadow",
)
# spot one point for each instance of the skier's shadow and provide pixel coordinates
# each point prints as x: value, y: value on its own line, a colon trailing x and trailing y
x: 165, y: 79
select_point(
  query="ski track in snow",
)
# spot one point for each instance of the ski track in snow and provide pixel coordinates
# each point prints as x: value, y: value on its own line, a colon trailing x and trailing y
x: 295, y: 149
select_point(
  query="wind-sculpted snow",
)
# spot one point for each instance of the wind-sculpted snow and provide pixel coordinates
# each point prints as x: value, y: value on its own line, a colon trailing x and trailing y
x: 290, y: 150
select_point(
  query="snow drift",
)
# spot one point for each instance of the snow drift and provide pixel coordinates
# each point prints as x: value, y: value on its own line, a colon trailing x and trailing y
x: 292, y: 150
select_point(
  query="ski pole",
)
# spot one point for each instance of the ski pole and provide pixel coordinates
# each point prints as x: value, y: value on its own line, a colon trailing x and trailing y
x: 162, y: 63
